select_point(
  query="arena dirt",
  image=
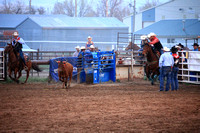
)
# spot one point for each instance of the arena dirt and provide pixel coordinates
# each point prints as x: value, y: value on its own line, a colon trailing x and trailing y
x: 134, y: 106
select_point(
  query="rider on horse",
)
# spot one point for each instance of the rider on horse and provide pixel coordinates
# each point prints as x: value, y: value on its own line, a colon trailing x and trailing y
x: 17, y: 43
x: 155, y: 43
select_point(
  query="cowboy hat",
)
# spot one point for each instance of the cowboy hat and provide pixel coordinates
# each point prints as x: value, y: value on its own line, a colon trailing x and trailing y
x: 151, y: 34
x: 177, y: 46
x: 82, y: 47
x: 92, y: 46
x: 15, y: 34
x: 195, y: 44
x: 89, y: 37
x: 166, y: 49
x: 143, y: 37
x: 77, y: 47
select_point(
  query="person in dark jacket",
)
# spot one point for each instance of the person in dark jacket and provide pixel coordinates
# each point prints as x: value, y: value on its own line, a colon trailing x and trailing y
x: 17, y: 43
x: 155, y: 43
x: 175, y: 69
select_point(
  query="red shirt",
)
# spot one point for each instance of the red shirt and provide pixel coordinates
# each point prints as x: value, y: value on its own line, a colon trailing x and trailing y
x: 154, y: 40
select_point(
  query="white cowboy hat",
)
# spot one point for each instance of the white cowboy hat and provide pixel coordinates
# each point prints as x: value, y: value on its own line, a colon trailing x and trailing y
x: 77, y: 47
x: 15, y: 34
x: 82, y: 47
x: 92, y: 46
x: 177, y: 47
x: 89, y: 37
x: 143, y: 37
x: 166, y: 49
x: 151, y: 34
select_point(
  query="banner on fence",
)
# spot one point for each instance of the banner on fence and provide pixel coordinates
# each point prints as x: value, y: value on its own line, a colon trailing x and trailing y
x: 54, y: 66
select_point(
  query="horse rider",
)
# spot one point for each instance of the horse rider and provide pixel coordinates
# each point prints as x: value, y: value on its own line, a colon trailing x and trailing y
x: 166, y: 62
x: 17, y: 43
x: 89, y: 43
x: 155, y: 43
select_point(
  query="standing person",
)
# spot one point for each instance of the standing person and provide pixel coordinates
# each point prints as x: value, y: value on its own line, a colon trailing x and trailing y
x: 175, y: 69
x: 89, y: 43
x: 17, y: 42
x: 195, y: 46
x: 155, y: 43
x: 75, y: 54
x: 166, y: 63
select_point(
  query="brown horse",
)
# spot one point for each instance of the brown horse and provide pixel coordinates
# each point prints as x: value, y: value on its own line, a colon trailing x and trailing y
x: 132, y: 46
x: 15, y: 65
x: 152, y: 64
x: 65, y: 70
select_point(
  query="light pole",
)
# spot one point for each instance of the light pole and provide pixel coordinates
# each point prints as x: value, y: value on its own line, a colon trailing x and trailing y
x: 133, y: 18
x: 75, y: 8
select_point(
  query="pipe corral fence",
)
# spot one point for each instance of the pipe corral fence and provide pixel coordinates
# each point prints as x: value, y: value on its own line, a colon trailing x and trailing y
x: 131, y: 65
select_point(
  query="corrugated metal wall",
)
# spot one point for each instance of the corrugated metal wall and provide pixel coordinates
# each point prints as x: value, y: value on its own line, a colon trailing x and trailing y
x: 51, y: 39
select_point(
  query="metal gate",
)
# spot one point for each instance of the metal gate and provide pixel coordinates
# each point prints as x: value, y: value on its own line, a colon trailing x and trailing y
x: 189, y: 71
x: 123, y: 40
x: 2, y: 65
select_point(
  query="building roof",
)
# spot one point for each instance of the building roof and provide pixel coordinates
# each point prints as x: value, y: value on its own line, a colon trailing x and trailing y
x: 60, y: 21
x: 77, y: 22
x: 175, y: 28
x: 11, y: 20
x: 161, y: 4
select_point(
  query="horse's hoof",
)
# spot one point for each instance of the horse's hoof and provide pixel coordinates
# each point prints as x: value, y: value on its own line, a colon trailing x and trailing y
x: 17, y: 81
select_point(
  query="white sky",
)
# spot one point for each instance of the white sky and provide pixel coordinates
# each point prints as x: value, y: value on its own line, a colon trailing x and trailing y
x: 49, y: 4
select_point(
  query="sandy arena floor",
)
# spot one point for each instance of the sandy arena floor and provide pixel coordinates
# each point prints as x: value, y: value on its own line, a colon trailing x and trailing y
x: 112, y: 107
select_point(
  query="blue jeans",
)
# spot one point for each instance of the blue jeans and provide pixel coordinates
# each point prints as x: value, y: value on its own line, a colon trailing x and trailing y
x: 165, y: 72
x: 22, y: 56
x: 174, y: 78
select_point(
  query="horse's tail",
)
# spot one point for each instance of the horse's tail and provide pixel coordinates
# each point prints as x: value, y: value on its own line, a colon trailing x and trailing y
x: 35, y: 67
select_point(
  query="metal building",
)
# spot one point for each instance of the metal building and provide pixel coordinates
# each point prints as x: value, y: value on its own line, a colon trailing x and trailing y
x: 60, y: 32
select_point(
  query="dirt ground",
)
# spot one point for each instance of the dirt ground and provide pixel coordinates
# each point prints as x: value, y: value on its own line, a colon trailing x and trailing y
x: 134, y: 106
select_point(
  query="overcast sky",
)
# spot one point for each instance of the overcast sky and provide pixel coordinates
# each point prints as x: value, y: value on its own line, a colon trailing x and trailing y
x: 49, y: 4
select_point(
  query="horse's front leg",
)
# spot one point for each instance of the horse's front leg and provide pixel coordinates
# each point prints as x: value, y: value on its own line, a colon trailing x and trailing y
x: 147, y: 71
x: 9, y: 74
x: 154, y: 75
x: 19, y: 74
x: 15, y: 75
x: 27, y: 76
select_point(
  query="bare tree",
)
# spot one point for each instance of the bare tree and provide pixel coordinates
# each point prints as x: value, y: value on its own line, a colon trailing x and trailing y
x: 19, y: 7
x: 41, y: 10
x: 149, y: 4
x: 69, y: 8
x: 58, y: 8
x: 84, y: 8
x: 7, y: 7
x: 115, y: 9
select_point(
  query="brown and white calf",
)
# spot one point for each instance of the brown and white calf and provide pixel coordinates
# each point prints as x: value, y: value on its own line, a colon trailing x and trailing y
x: 65, y: 71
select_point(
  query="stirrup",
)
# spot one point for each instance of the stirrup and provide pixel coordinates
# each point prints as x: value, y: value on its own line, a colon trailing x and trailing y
x: 25, y: 68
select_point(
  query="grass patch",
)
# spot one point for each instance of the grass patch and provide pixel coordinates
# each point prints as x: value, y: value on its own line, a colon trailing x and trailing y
x: 30, y: 80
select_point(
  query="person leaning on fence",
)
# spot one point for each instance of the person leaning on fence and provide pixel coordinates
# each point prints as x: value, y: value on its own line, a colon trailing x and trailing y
x: 75, y: 54
x: 89, y: 43
x: 166, y: 63
x: 17, y: 43
x: 155, y: 43
x: 195, y: 46
x: 82, y: 51
x: 175, y: 69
